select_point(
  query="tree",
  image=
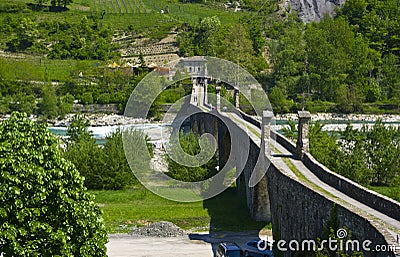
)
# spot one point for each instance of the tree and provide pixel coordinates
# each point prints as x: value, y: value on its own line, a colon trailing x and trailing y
x: 46, y: 210
x: 48, y: 107
x: 238, y: 48
x: 103, y: 168
x: 208, y: 35
x: 65, y: 105
x: 190, y: 145
x: 117, y: 172
x: 78, y: 129
x: 323, y: 146
x: 84, y: 153
x: 23, y: 102
x: 27, y: 35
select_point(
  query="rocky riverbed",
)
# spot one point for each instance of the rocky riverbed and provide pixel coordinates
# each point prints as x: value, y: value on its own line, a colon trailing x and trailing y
x: 101, y: 120
x: 335, y: 117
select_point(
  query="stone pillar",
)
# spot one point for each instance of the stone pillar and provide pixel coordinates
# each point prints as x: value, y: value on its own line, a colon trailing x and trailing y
x: 302, y: 145
x: 236, y: 98
x: 218, y: 91
x: 266, y: 132
x: 205, y: 92
x: 195, y: 92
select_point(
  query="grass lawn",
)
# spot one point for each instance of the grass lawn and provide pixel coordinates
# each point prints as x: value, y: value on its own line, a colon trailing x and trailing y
x: 392, y: 192
x: 138, y: 206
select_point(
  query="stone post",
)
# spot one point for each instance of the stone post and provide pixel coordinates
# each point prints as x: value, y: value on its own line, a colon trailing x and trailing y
x: 266, y: 132
x: 205, y: 92
x: 302, y: 145
x: 236, y: 98
x: 218, y: 91
x: 195, y: 92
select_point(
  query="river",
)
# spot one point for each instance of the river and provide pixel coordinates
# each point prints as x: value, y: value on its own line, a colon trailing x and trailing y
x: 157, y: 131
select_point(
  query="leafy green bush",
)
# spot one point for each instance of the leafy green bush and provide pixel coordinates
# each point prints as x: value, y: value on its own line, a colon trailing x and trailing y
x: 103, y: 168
x: 45, y: 209
x: 190, y: 144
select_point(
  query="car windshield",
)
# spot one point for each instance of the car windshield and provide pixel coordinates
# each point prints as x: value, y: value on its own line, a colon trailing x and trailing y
x: 233, y: 253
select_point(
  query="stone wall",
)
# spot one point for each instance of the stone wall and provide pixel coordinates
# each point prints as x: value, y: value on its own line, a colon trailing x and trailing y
x: 370, y: 198
x: 300, y: 213
x: 96, y: 108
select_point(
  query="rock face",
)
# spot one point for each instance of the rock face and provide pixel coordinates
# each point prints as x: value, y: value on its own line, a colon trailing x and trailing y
x: 314, y: 10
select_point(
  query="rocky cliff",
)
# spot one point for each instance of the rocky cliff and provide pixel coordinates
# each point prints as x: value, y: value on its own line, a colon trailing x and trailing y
x: 314, y: 10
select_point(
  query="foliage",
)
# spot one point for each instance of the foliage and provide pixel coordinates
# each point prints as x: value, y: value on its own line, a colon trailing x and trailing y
x: 45, y: 210
x: 331, y: 228
x: 374, y: 151
x: 27, y: 35
x: 323, y: 146
x: 190, y: 145
x: 290, y: 132
x: 87, y: 40
x: 339, y: 251
x: 65, y: 105
x: 367, y: 156
x: 336, y: 60
x: 78, y: 129
x: 103, y: 167
x: 48, y: 107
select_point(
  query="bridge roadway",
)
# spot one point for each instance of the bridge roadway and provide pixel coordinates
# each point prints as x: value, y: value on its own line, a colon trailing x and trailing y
x: 284, y: 160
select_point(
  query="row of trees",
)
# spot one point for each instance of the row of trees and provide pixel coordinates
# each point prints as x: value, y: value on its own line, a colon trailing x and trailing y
x: 348, y: 60
x: 242, y: 43
x: 107, y: 168
x: 368, y: 156
x: 103, y: 167
x: 40, y: 99
x: 62, y: 3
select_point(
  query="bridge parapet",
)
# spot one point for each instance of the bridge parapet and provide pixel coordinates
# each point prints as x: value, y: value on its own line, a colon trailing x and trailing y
x: 301, y: 213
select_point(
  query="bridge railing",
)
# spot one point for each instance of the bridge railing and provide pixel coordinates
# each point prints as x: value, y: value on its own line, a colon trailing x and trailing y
x: 368, y: 197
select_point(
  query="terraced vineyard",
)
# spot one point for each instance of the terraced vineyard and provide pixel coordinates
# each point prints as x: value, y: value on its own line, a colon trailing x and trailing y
x: 120, y: 6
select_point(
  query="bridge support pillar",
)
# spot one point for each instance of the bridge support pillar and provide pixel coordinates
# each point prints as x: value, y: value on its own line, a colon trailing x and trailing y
x: 236, y: 98
x: 302, y: 145
x: 218, y: 91
x: 266, y: 132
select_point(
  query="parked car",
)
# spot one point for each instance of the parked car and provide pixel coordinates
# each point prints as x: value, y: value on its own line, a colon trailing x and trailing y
x: 258, y: 248
x: 228, y: 249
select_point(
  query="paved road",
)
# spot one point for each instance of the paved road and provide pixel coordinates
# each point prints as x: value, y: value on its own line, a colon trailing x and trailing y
x: 127, y: 246
x: 193, y: 245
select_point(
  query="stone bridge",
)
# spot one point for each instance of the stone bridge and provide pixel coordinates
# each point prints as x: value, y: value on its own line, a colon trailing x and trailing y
x: 292, y: 190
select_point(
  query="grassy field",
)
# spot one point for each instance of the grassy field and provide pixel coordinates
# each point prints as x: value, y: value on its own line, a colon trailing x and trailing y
x: 138, y: 206
x: 42, y: 69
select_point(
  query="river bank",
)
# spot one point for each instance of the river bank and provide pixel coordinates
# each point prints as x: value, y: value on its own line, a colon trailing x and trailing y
x: 343, y: 118
x: 104, y: 120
